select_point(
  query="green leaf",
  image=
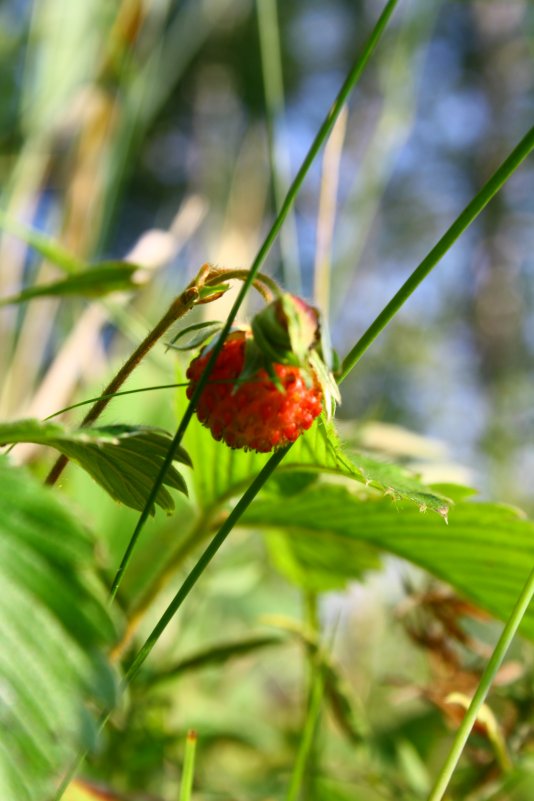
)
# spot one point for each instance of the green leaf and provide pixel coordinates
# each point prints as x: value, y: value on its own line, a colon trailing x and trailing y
x: 124, y: 460
x: 206, y: 330
x: 215, y: 655
x: 93, y: 282
x: 54, y: 625
x: 345, y: 709
x: 486, y: 552
x: 389, y: 477
x: 44, y: 245
x: 319, y: 569
x: 213, y: 292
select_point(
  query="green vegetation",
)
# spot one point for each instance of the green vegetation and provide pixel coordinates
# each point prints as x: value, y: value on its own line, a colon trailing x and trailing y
x: 335, y: 620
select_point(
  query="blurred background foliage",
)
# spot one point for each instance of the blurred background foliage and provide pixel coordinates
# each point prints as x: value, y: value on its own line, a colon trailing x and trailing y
x: 137, y: 129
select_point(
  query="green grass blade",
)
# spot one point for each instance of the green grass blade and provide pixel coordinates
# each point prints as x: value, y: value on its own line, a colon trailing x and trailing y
x: 468, y: 215
x: 202, y: 563
x: 318, y: 142
x: 94, y: 282
x: 44, y: 245
x: 494, y: 663
x: 186, y: 786
x: 306, y: 743
x: 88, y: 401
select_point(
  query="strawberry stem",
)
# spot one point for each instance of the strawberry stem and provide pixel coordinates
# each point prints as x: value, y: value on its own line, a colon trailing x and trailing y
x: 266, y: 286
x: 179, y: 307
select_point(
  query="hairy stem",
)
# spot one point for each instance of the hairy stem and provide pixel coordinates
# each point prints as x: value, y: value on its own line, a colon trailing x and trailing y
x: 177, y: 309
x: 208, y: 276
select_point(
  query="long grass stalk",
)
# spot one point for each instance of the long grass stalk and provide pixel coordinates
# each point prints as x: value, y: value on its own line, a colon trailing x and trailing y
x: 318, y: 142
x: 307, y: 741
x: 202, y: 563
x: 508, y: 633
x: 322, y: 278
x: 472, y: 210
x: 468, y: 215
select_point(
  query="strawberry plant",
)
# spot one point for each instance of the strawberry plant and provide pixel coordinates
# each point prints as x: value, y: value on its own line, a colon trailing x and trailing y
x: 126, y: 634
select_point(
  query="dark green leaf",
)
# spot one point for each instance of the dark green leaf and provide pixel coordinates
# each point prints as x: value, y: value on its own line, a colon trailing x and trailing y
x: 125, y: 460
x: 215, y: 655
x: 344, y: 707
x: 54, y: 625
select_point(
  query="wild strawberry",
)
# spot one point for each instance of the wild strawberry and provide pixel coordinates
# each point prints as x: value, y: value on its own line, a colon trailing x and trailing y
x: 258, y: 408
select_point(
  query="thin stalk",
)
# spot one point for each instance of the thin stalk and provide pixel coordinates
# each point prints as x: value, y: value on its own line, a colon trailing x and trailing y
x: 318, y: 142
x: 177, y: 309
x: 208, y: 277
x: 306, y: 743
x: 188, y: 773
x: 314, y: 666
x: 111, y: 395
x: 273, y: 83
x: 468, y: 215
x: 508, y: 633
x: 204, y: 527
x: 204, y: 560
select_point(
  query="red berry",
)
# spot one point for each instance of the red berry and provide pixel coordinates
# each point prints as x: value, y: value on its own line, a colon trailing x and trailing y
x: 253, y: 414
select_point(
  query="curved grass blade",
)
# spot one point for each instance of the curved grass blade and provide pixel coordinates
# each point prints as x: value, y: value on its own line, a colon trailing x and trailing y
x: 94, y: 282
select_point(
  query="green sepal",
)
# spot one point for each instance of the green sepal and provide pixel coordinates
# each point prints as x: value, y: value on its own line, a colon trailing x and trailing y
x: 208, y: 293
x: 271, y: 338
x: 303, y: 325
x: 255, y: 360
x: 206, y: 331
x: 286, y: 332
x: 331, y: 394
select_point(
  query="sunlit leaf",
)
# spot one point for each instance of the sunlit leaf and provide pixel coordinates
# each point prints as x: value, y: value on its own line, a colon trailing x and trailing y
x: 485, y: 552
x: 47, y: 247
x: 53, y: 626
x: 83, y: 791
x: 125, y: 460
x: 226, y: 472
